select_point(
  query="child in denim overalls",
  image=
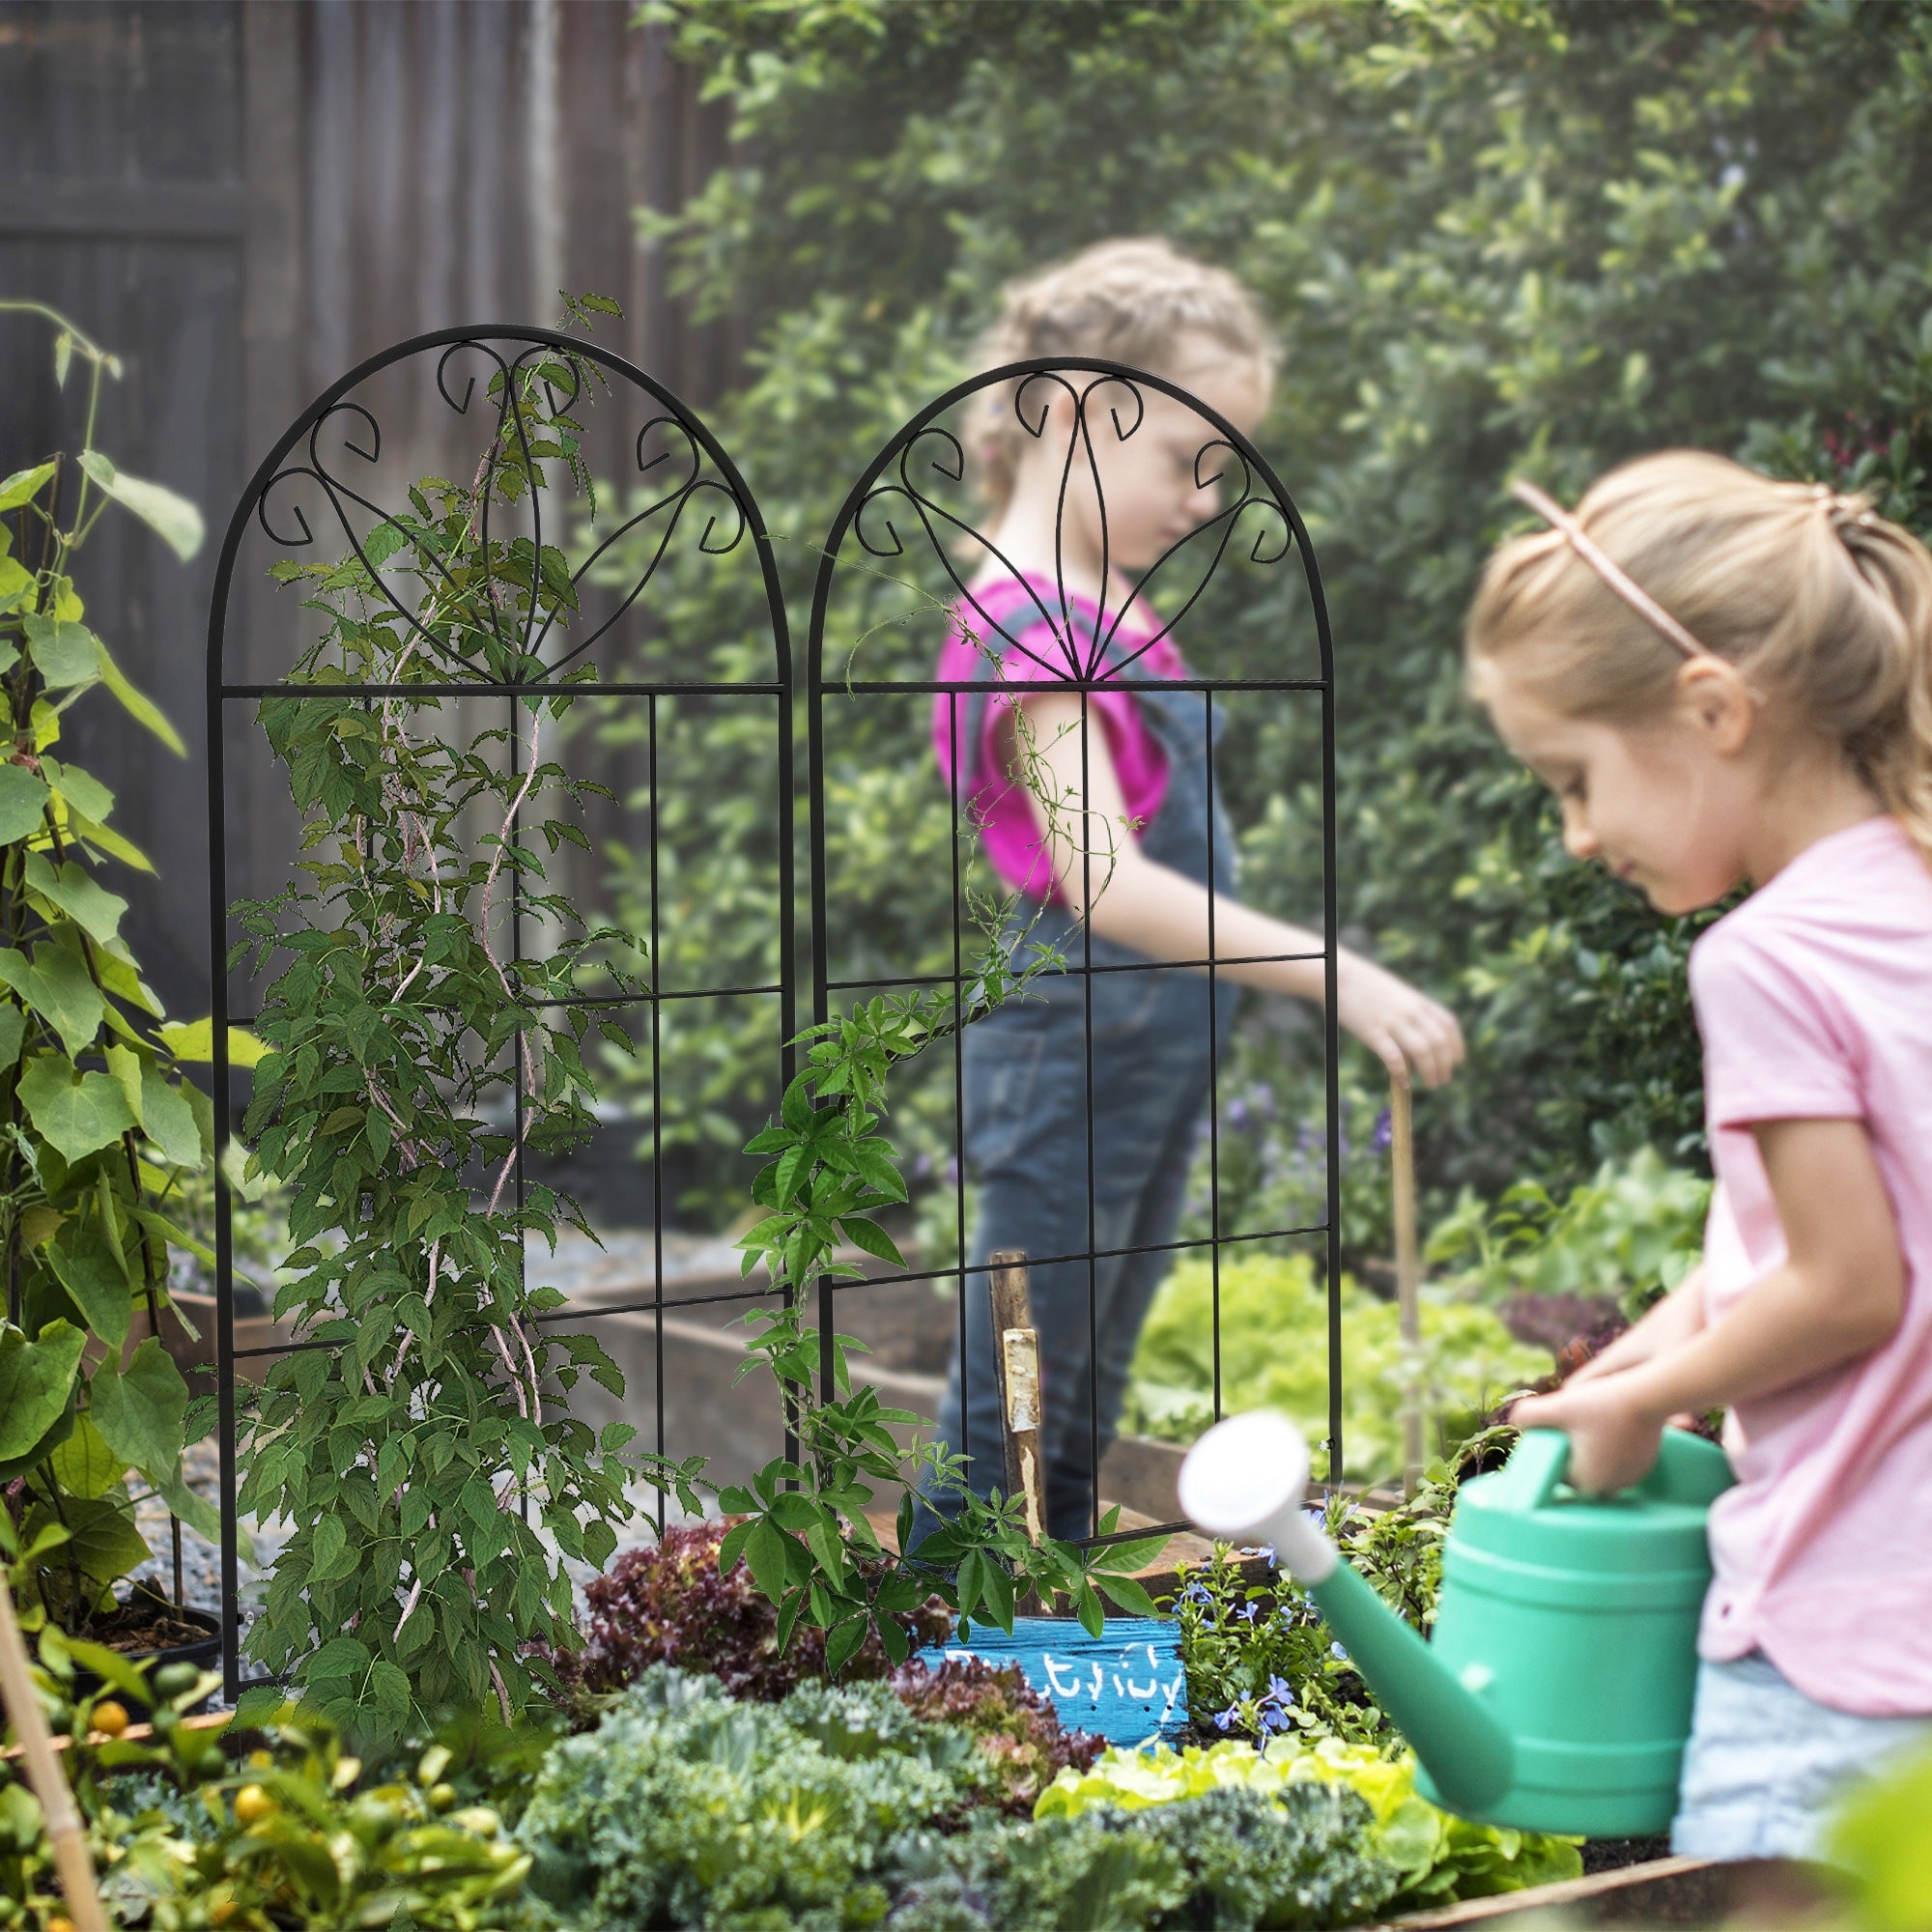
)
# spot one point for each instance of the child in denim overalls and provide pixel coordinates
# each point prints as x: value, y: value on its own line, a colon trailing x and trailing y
x: 1127, y: 815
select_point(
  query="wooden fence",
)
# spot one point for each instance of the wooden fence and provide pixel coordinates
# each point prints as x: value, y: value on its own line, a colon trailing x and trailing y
x: 245, y: 198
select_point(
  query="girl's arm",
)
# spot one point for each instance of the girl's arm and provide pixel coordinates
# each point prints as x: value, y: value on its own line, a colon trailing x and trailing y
x: 1668, y: 1325
x: 1153, y: 909
x: 1838, y: 1294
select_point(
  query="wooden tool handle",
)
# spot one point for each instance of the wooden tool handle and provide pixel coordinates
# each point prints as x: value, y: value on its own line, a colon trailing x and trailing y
x: 65, y: 1835
x: 1016, y: 1356
x: 1407, y: 1277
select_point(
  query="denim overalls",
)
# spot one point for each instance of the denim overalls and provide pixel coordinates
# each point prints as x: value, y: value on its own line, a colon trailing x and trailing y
x: 1026, y: 1079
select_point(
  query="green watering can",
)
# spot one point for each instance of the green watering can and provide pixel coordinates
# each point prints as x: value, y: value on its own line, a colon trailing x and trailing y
x: 1556, y: 1694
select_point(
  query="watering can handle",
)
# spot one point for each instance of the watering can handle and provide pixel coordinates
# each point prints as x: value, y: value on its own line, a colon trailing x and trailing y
x: 1535, y: 1467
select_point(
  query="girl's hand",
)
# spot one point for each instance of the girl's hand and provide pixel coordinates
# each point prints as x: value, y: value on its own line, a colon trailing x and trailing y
x: 1613, y: 1434
x: 1402, y: 1028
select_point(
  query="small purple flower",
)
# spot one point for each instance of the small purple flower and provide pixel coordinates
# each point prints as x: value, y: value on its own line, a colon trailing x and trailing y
x: 1235, y: 1116
x: 1273, y: 1720
x: 1250, y: 1611
x: 1280, y: 1691
x: 1261, y: 1097
x: 1266, y: 1553
x: 1384, y: 1133
x: 1197, y: 1593
x: 951, y: 1173
x: 1223, y: 1718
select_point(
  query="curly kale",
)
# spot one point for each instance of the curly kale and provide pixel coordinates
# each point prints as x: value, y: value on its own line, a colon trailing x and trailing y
x: 684, y: 1808
x: 1231, y: 1861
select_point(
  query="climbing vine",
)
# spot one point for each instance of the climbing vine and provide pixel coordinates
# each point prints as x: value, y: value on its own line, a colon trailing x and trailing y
x: 416, y: 1055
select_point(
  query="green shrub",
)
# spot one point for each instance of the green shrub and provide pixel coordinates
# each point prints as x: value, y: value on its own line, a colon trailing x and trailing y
x: 1274, y: 1355
x: 1493, y: 235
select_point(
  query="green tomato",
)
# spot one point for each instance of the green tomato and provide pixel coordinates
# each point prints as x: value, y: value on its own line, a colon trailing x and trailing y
x: 478, y: 1818
x: 375, y: 1815
x: 441, y: 1797
x: 212, y: 1764
x: 171, y: 1680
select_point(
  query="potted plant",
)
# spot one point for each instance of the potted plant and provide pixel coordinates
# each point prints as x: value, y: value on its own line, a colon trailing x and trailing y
x: 100, y: 1127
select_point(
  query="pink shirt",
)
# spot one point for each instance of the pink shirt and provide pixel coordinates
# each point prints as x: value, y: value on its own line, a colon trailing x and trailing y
x: 1814, y: 999
x: 1038, y: 651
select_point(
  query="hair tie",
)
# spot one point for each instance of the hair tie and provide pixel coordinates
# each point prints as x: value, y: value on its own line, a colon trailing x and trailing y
x: 1614, y: 575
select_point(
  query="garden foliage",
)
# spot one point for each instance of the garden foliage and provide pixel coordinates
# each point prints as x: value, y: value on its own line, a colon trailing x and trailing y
x: 1438, y: 1856
x: 685, y: 1809
x: 1274, y: 1354
x: 1230, y: 1859
x: 421, y: 1453
x: 672, y: 1601
x: 102, y: 1129
x: 1535, y: 235
x: 186, y: 1833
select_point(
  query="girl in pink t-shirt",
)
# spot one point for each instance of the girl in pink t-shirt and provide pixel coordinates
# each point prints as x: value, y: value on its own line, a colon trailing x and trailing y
x: 1080, y: 1102
x: 1728, y: 680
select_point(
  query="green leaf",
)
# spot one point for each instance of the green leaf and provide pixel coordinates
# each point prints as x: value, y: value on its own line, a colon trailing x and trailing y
x: 112, y: 1666
x: 75, y: 1113
x: 868, y: 1236
x: 141, y: 1414
x: 36, y: 1379
x: 12, y: 1032
x: 168, y: 1119
x: 1126, y: 1595
x: 63, y: 653
x: 765, y: 1553
x: 84, y: 1465
x: 23, y: 803
x: 841, y: 1641
x: 194, y: 1040
x: 171, y: 517
x: 84, y: 792
x: 58, y: 987
x: 74, y: 890
x: 142, y: 709
x: 103, y: 1539
x: 87, y: 1266
x: 24, y: 485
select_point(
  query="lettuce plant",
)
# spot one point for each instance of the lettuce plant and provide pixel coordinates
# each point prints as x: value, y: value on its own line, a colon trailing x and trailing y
x: 1438, y: 1857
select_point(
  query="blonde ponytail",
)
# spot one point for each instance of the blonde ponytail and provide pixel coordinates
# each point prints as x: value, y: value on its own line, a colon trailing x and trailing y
x: 1824, y: 606
x: 1128, y: 300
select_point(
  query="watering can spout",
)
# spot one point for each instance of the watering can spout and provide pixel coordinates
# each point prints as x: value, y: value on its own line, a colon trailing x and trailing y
x: 1246, y: 1479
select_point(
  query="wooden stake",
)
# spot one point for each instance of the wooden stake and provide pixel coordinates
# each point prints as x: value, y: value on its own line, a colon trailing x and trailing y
x: 72, y: 1863
x: 1407, y: 1280
x: 1016, y: 1354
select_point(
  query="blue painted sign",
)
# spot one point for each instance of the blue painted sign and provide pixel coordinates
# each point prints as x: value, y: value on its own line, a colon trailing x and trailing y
x: 1125, y: 1684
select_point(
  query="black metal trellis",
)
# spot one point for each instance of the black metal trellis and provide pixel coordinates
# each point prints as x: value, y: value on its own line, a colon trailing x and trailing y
x: 703, y: 482
x: 1094, y: 401
x: 1255, y: 522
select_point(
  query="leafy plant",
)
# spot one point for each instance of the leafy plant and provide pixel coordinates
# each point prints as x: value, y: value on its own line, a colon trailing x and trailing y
x: 1880, y: 1861
x: 418, y: 1451
x: 684, y: 1808
x: 100, y: 1127
x: 1274, y: 1354
x: 1438, y: 1857
x: 187, y: 1838
x: 1628, y: 1234
x: 1230, y: 1859
x: 672, y: 1601
x: 1018, y: 1731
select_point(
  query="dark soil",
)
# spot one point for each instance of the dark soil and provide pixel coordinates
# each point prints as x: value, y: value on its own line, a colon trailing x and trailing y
x: 1614, y: 1854
x: 145, y: 1623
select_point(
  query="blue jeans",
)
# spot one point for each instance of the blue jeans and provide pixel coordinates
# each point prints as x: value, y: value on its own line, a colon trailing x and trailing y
x: 1026, y: 1137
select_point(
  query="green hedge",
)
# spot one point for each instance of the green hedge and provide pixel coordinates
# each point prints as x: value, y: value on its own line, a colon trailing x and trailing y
x: 1493, y: 235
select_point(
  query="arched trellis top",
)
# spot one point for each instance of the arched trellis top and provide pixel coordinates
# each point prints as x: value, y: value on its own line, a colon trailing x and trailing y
x: 674, y: 417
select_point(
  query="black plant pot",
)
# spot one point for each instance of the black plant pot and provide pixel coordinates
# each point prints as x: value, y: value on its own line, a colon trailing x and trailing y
x: 203, y: 1652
